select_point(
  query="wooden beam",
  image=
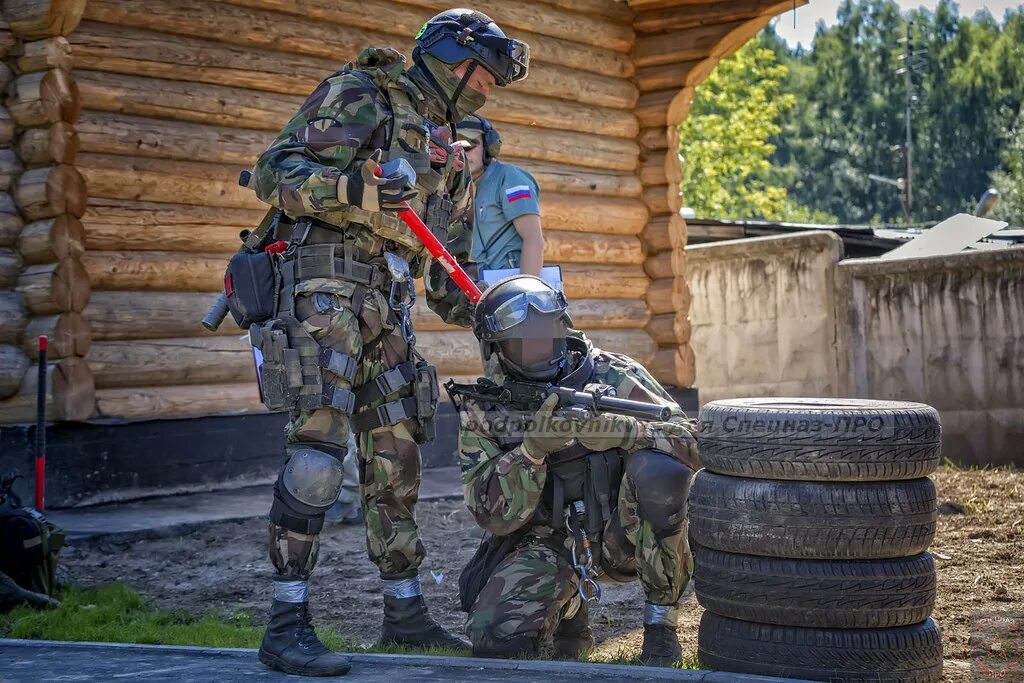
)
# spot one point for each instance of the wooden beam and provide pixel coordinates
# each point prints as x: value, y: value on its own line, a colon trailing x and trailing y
x: 32, y: 19
x: 52, y: 239
x: 54, y: 287
x: 108, y: 133
x: 681, y: 46
x: 43, y: 98
x: 704, y: 14
x: 125, y: 50
x: 13, y: 365
x: 249, y: 27
x: 70, y: 394
x: 179, y: 401
x: 40, y: 55
x: 12, y: 317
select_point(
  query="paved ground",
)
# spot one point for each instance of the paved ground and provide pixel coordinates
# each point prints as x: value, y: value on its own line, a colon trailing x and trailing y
x: 23, y: 661
x: 173, y: 514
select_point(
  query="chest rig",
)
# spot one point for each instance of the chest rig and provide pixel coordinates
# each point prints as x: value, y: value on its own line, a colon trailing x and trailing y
x: 405, y: 135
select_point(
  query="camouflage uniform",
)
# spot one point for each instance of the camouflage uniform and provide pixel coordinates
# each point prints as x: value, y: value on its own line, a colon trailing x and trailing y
x: 371, y: 104
x: 508, y: 491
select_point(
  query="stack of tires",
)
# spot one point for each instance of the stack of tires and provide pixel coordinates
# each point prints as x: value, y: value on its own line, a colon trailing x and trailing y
x: 811, y: 522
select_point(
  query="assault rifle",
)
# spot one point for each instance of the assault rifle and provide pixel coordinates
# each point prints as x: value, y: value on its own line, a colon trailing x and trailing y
x: 580, y: 405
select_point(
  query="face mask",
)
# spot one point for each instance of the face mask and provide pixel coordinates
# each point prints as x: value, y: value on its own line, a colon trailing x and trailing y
x: 469, y: 100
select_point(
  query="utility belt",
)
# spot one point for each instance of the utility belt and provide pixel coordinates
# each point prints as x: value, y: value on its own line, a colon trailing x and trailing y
x: 291, y: 362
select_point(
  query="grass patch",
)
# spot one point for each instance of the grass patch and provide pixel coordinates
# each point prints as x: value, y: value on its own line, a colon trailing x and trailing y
x: 115, y: 613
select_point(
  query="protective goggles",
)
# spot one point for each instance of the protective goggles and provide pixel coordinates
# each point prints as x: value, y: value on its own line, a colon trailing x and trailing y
x: 507, y: 59
x: 515, y: 310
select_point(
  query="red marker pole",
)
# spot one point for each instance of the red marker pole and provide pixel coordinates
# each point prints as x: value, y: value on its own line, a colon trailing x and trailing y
x: 437, y: 250
x: 41, y: 427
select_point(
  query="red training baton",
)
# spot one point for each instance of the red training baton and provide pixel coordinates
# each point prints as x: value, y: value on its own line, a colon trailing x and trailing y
x: 437, y: 249
x: 41, y: 427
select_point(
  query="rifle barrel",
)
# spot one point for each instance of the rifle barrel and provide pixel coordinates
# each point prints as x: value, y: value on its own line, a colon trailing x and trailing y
x: 638, y: 409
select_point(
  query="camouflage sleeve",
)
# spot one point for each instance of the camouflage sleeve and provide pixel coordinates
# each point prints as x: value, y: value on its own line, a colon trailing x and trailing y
x: 673, y: 436
x: 502, y: 488
x: 299, y: 171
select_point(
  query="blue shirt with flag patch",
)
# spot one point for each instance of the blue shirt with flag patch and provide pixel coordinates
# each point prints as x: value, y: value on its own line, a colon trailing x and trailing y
x: 503, y: 193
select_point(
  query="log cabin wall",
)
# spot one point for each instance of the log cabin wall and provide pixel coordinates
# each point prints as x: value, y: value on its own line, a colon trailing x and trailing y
x: 678, y: 43
x: 44, y: 282
x: 169, y: 99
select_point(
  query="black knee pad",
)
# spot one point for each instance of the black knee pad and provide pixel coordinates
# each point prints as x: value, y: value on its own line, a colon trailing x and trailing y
x: 307, y: 486
x: 662, y: 484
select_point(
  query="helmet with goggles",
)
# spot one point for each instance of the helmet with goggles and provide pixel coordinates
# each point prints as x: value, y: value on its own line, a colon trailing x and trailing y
x: 524, y: 322
x: 456, y: 35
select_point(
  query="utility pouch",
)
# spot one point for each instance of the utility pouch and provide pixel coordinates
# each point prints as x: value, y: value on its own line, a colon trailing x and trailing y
x: 426, y: 392
x: 279, y: 368
x: 250, y: 284
x: 438, y: 215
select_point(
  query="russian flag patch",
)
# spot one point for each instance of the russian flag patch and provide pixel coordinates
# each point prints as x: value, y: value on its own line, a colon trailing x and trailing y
x: 518, y: 192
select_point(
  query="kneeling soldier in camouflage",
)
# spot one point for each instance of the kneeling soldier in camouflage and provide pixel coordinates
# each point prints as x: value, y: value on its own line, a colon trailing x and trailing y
x: 339, y: 352
x: 567, y: 500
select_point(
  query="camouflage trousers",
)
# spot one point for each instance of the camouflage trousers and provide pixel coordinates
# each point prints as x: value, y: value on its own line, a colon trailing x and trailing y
x: 535, y: 586
x: 389, y: 457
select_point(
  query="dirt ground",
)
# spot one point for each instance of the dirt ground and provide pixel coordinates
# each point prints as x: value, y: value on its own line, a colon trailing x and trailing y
x: 979, y: 551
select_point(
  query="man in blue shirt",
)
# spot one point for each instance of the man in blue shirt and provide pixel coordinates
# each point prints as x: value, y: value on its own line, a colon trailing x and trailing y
x: 506, y: 207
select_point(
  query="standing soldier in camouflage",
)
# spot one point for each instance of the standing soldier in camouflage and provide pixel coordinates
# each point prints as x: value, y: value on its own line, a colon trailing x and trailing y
x: 340, y: 352
x: 543, y: 484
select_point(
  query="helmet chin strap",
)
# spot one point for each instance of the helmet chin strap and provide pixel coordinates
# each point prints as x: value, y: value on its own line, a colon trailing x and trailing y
x: 449, y: 102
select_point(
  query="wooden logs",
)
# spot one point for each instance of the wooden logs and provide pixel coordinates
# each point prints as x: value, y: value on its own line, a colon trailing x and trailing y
x: 114, y: 224
x: 158, y: 362
x: 70, y: 394
x: 10, y: 168
x: 120, y: 134
x: 589, y: 314
x: 10, y: 268
x: 669, y: 329
x: 6, y: 125
x: 126, y: 50
x: 681, y: 46
x: 56, y: 144
x: 571, y: 247
x: 155, y: 271
x: 44, y: 97
x: 657, y: 200
x: 668, y: 295
x: 151, y: 315
x: 602, y: 215
x: 309, y: 36
x: 216, y: 104
x: 54, y: 287
x: 659, y: 266
x: 50, y: 191
x: 67, y: 333
x: 12, y: 317
x: 13, y: 365
x: 10, y: 227
x: 40, y: 55
x: 179, y: 401
x: 656, y: 234
x: 52, y: 239
x: 31, y: 19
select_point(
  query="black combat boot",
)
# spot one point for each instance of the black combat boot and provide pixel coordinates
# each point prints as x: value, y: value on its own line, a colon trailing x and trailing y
x: 406, y: 622
x: 661, y: 646
x: 573, y: 636
x: 290, y: 644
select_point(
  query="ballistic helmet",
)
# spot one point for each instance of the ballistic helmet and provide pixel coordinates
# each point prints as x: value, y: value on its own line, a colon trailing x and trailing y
x: 524, y: 322
x: 456, y: 35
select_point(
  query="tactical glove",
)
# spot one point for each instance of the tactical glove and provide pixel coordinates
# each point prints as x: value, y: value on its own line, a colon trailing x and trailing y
x: 365, y: 190
x: 547, y: 433
x: 605, y: 431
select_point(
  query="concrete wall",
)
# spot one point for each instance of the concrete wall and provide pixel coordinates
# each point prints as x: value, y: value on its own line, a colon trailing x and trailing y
x: 945, y: 330
x: 763, y: 316
x: 781, y: 316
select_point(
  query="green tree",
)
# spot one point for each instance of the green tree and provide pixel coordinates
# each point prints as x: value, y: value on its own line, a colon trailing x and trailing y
x: 1009, y: 180
x: 848, y: 119
x: 724, y: 143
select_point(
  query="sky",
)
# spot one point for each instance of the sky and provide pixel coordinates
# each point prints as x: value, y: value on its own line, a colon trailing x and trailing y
x: 808, y: 16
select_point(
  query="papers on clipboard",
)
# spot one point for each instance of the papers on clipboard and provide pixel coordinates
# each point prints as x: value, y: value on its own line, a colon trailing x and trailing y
x: 550, y: 274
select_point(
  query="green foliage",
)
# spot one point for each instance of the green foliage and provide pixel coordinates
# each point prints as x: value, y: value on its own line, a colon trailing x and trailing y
x: 115, y: 613
x: 849, y: 110
x: 724, y: 143
x: 1009, y: 180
